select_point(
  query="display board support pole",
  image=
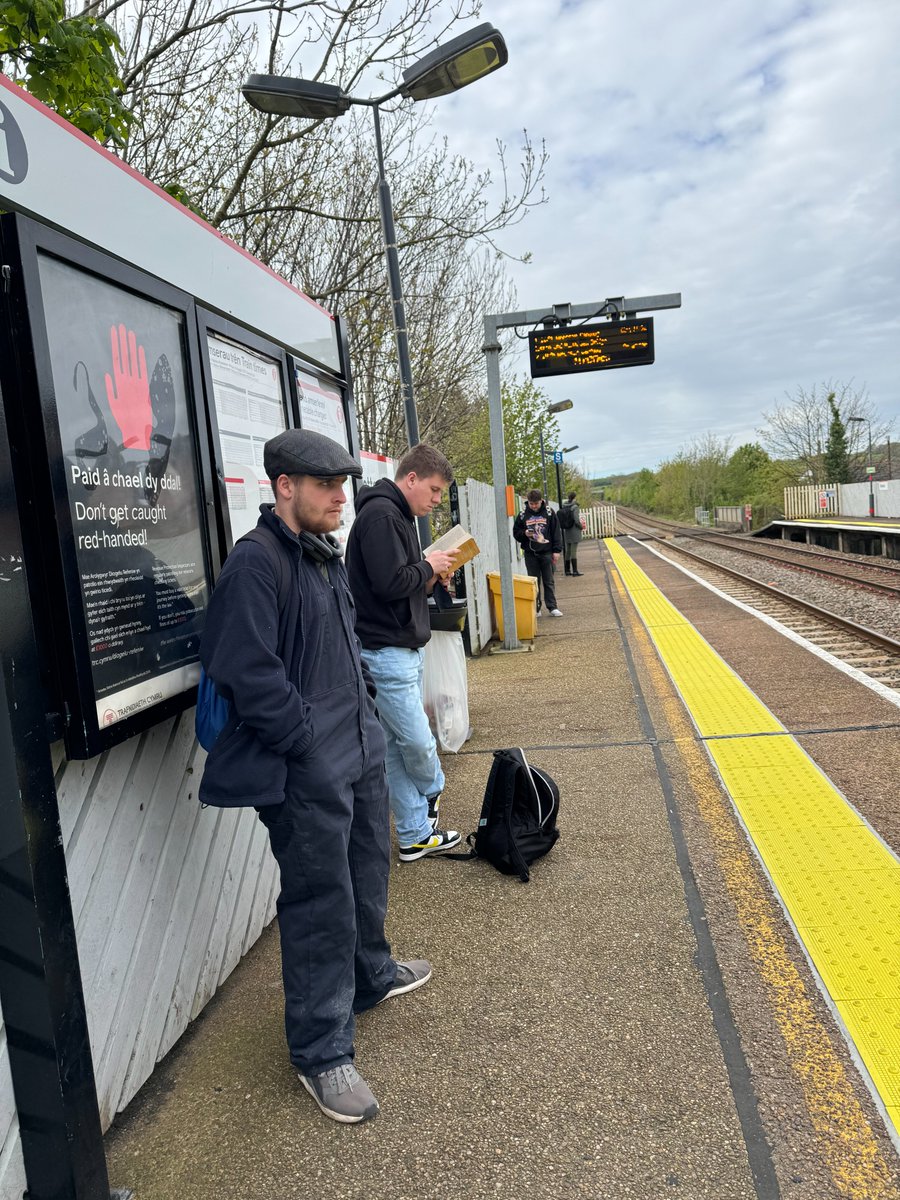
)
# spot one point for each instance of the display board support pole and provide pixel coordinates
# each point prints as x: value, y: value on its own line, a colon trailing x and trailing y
x: 498, y: 456
x: 40, y: 980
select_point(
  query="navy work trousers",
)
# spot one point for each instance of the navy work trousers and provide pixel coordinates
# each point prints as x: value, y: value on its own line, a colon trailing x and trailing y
x: 331, y: 838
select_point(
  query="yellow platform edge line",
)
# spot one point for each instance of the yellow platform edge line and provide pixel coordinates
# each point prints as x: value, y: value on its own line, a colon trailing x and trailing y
x: 801, y: 827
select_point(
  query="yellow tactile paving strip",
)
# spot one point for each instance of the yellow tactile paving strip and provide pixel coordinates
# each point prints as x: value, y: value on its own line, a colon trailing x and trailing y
x: 837, y: 880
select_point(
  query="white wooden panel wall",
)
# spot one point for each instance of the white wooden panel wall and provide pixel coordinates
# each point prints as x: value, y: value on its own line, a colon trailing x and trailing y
x: 478, y: 514
x: 854, y: 498
x: 167, y: 898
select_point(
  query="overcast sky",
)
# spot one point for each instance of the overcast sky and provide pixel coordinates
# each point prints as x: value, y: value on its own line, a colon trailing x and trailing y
x: 744, y: 154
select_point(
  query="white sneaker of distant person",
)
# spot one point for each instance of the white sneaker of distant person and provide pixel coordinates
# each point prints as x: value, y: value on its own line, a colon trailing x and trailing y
x: 554, y: 612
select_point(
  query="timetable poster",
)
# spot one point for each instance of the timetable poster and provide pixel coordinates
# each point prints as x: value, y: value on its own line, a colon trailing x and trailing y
x: 133, y: 492
x: 249, y: 402
x: 322, y: 410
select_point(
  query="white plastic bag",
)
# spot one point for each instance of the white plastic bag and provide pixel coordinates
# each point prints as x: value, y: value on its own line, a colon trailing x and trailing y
x: 445, y: 689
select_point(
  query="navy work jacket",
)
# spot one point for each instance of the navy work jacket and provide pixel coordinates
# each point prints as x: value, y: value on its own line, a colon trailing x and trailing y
x: 294, y: 684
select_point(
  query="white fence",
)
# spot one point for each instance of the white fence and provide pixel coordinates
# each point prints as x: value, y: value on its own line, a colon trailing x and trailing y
x: 478, y: 514
x: 600, y: 521
x: 842, y: 499
x: 811, y: 500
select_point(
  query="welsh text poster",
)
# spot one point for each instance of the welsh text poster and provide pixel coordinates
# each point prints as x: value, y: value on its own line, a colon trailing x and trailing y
x: 322, y: 409
x: 249, y: 410
x: 133, y: 490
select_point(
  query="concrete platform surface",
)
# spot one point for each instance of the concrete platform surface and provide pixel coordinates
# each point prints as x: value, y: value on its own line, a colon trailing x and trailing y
x: 566, y: 1046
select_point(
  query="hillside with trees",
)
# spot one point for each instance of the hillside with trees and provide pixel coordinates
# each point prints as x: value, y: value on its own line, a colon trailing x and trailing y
x: 815, y: 436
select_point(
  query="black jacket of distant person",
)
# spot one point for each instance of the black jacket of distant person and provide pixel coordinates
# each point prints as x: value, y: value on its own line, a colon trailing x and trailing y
x: 538, y: 533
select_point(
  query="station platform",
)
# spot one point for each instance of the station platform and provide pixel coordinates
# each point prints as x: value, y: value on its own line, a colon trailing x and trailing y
x: 852, y: 535
x: 661, y: 1011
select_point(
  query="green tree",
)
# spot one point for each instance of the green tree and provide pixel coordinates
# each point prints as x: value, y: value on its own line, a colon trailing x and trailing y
x: 747, y: 473
x: 694, y: 478
x: 524, y: 407
x: 67, y: 62
x: 639, y: 492
x: 837, y: 448
x: 797, y: 430
x: 752, y: 478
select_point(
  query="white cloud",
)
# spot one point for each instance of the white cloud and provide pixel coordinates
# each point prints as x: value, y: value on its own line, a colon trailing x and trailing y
x: 743, y: 154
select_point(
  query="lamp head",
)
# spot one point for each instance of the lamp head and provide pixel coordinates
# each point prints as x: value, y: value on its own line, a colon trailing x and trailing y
x: 455, y: 64
x: 559, y: 406
x: 292, y: 97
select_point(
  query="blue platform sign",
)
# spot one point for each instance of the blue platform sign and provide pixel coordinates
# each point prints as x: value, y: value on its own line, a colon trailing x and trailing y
x: 557, y: 456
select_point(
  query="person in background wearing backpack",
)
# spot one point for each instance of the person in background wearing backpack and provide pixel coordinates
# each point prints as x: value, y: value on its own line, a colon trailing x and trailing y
x: 570, y: 520
x: 537, y: 532
x: 304, y: 747
x: 391, y: 579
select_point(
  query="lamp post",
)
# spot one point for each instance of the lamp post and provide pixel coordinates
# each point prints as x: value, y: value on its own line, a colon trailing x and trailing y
x: 870, y: 465
x: 451, y: 66
x: 559, y: 406
x: 559, y: 470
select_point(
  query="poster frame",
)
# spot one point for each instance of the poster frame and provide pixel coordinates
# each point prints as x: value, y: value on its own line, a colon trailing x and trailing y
x: 211, y: 322
x: 51, y: 558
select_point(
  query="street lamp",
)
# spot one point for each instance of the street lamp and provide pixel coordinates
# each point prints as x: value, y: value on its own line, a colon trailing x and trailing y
x: 870, y: 465
x: 449, y: 67
x: 559, y: 406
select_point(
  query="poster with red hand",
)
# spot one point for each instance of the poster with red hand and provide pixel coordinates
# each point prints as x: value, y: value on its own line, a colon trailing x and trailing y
x: 120, y: 381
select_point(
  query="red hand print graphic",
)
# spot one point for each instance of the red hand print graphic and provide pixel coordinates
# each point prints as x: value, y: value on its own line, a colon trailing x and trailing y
x: 128, y: 391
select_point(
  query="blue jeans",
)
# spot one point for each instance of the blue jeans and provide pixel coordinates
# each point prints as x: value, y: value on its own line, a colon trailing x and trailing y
x: 413, y: 767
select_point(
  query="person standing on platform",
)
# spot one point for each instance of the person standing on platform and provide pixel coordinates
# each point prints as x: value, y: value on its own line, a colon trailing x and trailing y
x: 537, y: 531
x: 570, y: 520
x: 303, y: 746
x: 390, y: 579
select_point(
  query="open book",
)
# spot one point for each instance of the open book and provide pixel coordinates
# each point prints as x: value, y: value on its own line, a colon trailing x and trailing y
x: 461, y: 542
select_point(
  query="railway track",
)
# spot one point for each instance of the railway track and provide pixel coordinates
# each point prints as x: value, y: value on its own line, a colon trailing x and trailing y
x: 874, y: 654
x: 880, y: 577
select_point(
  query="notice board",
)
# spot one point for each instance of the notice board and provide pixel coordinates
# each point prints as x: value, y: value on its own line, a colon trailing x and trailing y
x: 132, y: 487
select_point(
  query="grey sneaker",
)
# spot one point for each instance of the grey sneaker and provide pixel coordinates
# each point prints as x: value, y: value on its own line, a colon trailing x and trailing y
x: 440, y: 840
x: 410, y: 975
x: 342, y: 1094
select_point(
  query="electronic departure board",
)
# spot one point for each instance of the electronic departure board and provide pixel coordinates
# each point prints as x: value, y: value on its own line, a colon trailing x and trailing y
x: 569, y: 350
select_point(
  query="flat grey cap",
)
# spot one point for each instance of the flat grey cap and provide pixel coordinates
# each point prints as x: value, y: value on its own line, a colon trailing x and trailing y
x: 303, y: 452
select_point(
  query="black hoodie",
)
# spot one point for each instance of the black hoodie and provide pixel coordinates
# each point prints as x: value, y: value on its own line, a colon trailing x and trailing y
x: 538, y: 532
x: 388, y: 575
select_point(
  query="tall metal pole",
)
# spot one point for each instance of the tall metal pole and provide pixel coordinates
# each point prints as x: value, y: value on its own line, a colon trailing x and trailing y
x: 559, y: 489
x: 398, y: 308
x: 871, y: 466
x: 498, y: 456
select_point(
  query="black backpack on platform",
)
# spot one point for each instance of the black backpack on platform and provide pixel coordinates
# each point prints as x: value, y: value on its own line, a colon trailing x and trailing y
x: 518, y: 816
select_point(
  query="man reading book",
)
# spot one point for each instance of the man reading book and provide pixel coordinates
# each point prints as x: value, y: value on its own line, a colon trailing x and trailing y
x: 390, y: 579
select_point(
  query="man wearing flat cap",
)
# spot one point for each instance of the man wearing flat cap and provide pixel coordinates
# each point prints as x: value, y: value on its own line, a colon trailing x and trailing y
x: 305, y: 748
